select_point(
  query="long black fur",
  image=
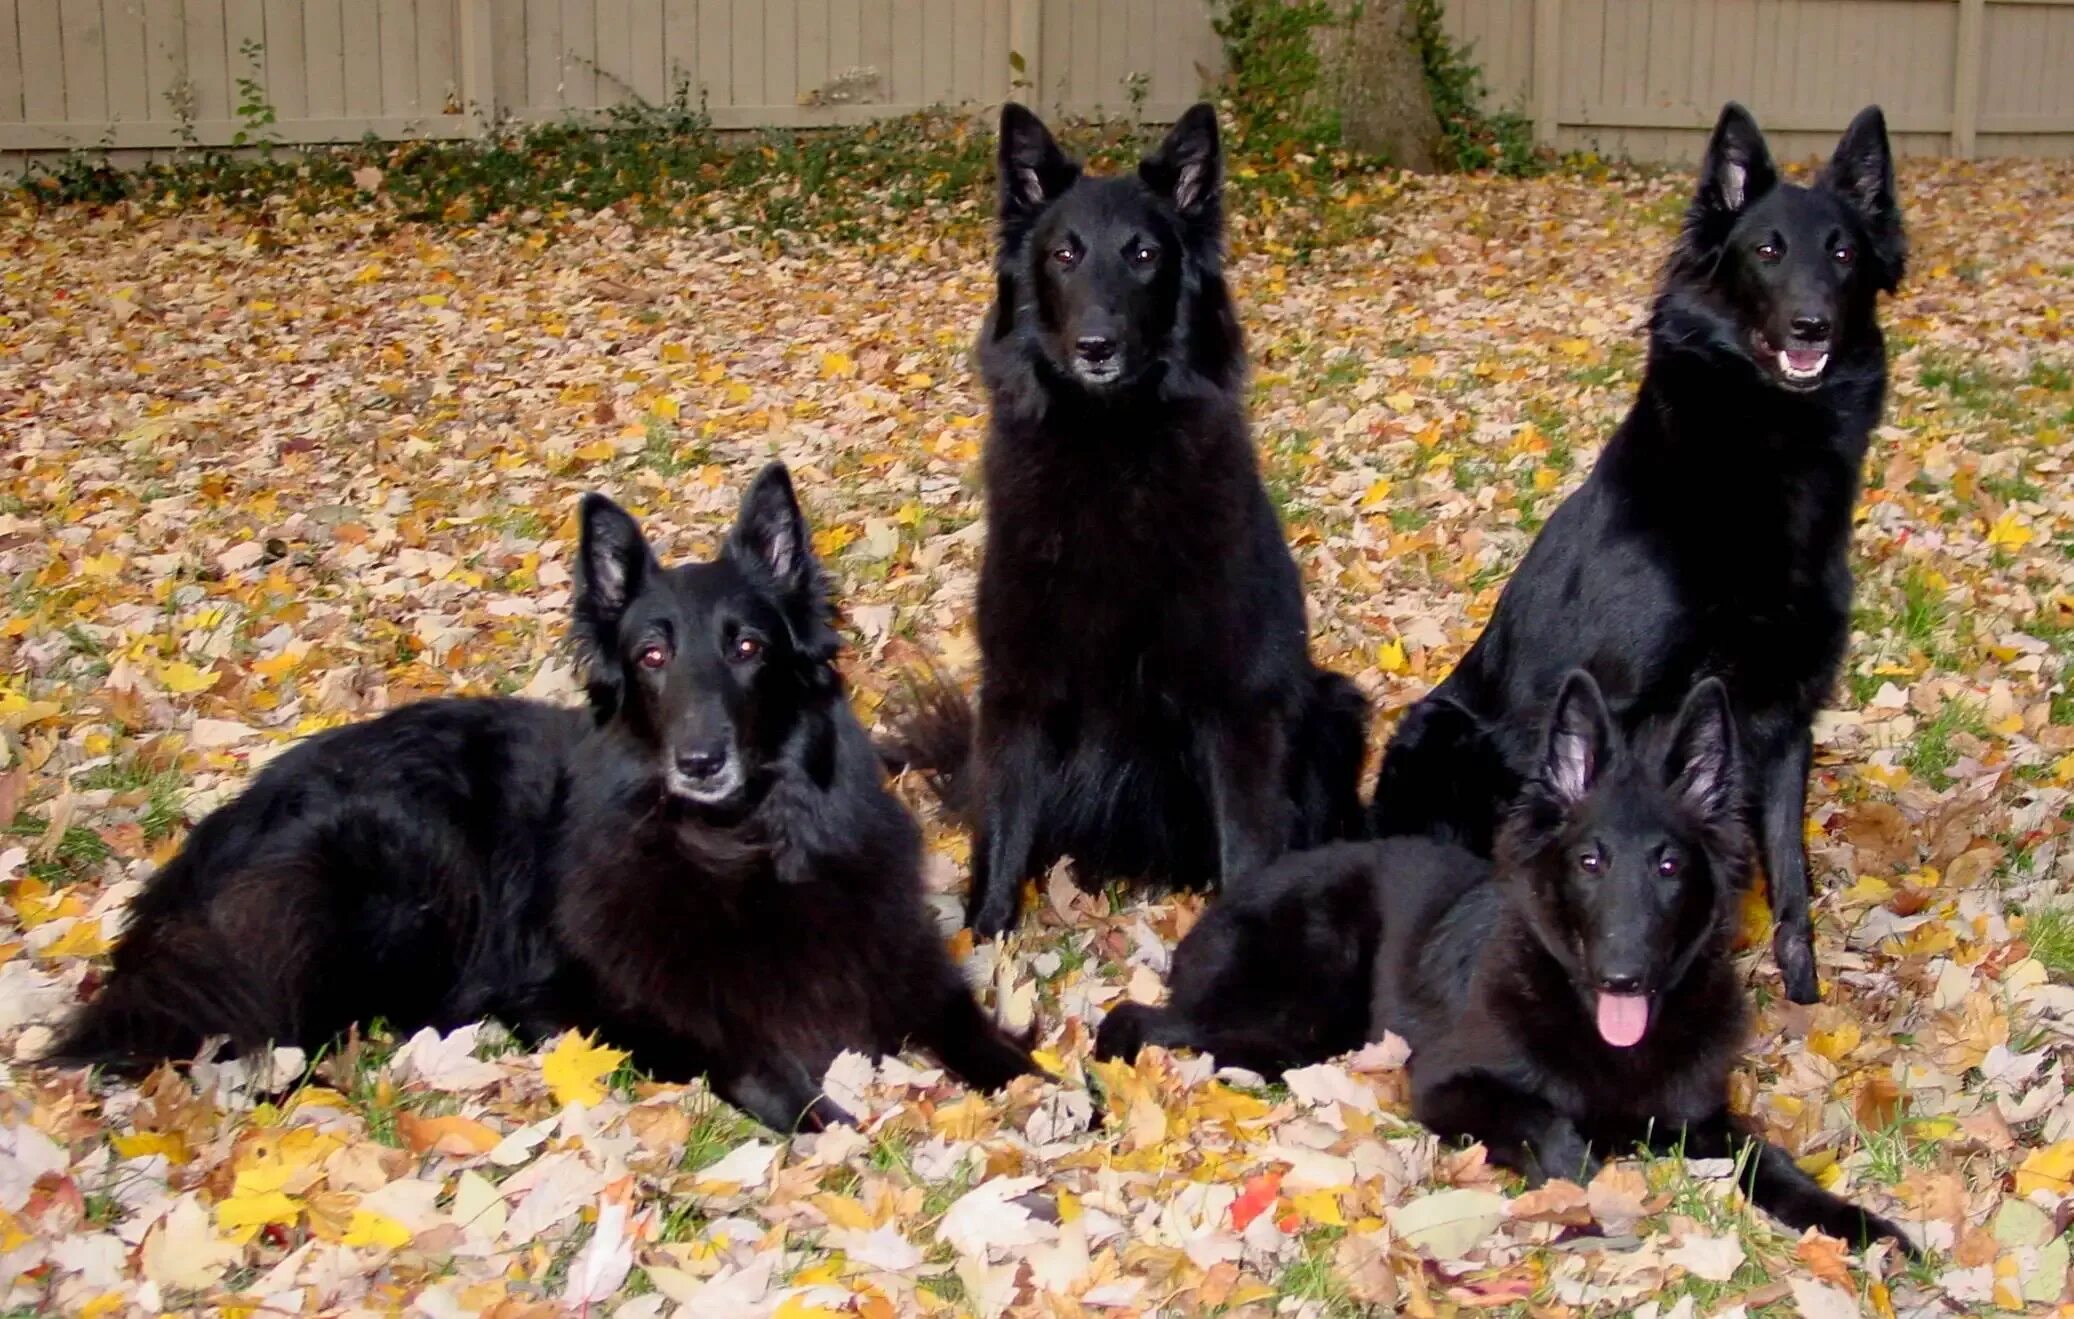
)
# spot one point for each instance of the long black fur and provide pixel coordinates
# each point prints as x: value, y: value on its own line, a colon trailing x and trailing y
x: 1713, y: 536
x: 707, y: 866
x: 1616, y: 868
x: 1148, y: 705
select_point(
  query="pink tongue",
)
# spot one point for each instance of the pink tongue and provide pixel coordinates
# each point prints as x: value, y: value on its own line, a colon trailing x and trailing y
x: 1804, y: 360
x: 1623, y: 1018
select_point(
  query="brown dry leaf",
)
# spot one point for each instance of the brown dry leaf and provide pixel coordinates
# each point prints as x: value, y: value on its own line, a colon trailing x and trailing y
x: 1556, y: 1201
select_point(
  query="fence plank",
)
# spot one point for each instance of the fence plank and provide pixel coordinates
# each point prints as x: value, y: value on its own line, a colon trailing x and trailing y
x: 716, y: 53
x: 285, y: 39
x: 1966, y: 78
x: 1548, y: 72
x: 577, y: 54
x: 360, y: 30
x: 439, y: 67
x: 478, y: 58
x: 647, y: 65
x: 745, y: 59
x: 614, y: 50
x: 10, y: 63
x: 42, y: 65
x: 543, y: 55
x: 681, y: 45
x: 129, y: 93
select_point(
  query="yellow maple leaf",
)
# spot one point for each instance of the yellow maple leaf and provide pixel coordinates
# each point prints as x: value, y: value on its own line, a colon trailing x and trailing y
x: 797, y: 1307
x: 830, y: 539
x: 2008, y: 533
x: 82, y: 940
x: 369, y: 1228
x: 1377, y: 492
x: 843, y: 1211
x: 100, y: 565
x: 2048, y: 1169
x: 1836, y: 1044
x: 666, y: 408
x: 838, y: 366
x: 575, y: 1068
x: 184, y: 679
x: 1400, y: 401
x: 248, y: 1212
x: 1319, y: 1207
x: 144, y: 1144
x: 596, y: 451
x: 1391, y: 655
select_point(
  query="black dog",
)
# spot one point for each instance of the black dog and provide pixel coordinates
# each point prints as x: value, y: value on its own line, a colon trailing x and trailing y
x: 707, y: 866
x: 1148, y: 704
x: 1713, y: 536
x: 1576, y: 999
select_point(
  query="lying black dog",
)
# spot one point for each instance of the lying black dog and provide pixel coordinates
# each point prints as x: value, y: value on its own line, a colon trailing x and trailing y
x: 706, y: 865
x: 1573, y: 1000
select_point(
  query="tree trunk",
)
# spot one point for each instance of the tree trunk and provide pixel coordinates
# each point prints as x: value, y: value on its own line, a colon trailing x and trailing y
x: 1373, y: 74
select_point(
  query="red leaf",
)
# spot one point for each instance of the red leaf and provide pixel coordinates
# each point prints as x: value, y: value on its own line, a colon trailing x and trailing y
x: 1261, y: 1190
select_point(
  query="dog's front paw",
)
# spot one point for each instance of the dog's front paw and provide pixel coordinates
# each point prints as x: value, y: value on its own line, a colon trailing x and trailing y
x: 1795, y: 951
x: 1123, y: 1031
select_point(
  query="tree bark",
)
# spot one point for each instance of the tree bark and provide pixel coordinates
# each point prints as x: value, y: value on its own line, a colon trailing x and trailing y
x: 1373, y: 74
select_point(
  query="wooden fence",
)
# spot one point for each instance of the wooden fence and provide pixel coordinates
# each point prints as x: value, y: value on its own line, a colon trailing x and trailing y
x: 1640, y: 78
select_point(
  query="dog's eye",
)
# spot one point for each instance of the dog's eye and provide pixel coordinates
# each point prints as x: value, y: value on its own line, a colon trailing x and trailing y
x: 744, y: 649
x: 1144, y: 254
x: 1589, y: 862
x: 1668, y: 865
x: 1064, y: 257
x: 1843, y: 255
x: 653, y: 655
x: 1768, y: 251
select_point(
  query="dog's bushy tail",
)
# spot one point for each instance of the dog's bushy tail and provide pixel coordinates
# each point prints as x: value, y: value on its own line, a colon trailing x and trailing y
x: 1326, y: 759
x: 932, y: 736
x: 174, y: 986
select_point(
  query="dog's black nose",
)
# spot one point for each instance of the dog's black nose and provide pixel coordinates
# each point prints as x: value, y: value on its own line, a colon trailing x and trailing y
x: 1812, y: 328
x: 1096, y: 347
x: 702, y: 764
x: 1621, y: 984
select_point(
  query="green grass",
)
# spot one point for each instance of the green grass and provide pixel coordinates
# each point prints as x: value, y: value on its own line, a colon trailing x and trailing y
x: 2050, y: 932
x: 1930, y: 752
x: 715, y: 1129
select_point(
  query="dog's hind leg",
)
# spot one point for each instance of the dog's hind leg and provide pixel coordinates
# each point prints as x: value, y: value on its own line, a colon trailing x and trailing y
x: 971, y: 1043
x: 1778, y: 1186
x: 1443, y: 778
x: 1329, y: 746
x: 1784, y: 807
x: 1013, y: 775
x: 1245, y: 766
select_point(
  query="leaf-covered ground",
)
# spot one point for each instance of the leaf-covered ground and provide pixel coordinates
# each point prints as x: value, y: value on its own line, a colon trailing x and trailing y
x: 264, y: 474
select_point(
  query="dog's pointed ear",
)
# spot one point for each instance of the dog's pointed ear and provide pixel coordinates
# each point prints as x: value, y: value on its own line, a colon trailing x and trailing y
x: 1701, y: 764
x: 1738, y: 167
x: 1862, y: 173
x: 1580, y: 738
x: 612, y: 562
x: 770, y: 541
x: 1188, y: 168
x: 1033, y: 169
x: 770, y: 533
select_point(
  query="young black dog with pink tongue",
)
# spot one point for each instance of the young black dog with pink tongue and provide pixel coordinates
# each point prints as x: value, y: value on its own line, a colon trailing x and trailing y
x: 1566, y: 1002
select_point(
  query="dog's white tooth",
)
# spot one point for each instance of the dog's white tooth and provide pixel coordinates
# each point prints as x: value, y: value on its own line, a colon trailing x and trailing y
x: 1786, y: 363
